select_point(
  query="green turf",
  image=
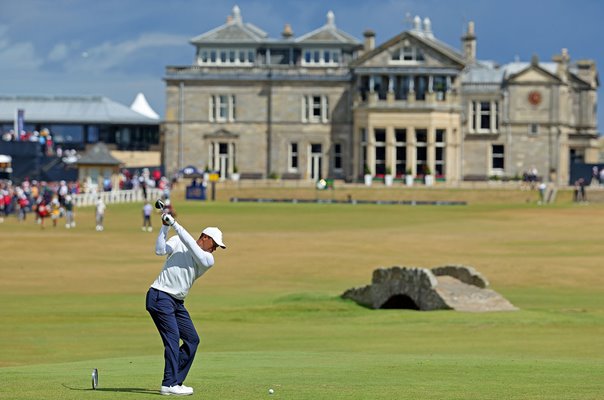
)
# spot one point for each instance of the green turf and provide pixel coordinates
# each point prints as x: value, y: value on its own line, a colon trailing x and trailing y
x: 269, y: 314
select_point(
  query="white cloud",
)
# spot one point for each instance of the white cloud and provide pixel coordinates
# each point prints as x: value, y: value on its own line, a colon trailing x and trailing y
x: 59, y: 52
x: 19, y: 55
x: 110, y: 55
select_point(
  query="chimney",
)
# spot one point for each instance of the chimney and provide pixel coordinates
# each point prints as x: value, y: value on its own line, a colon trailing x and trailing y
x: 428, y: 28
x: 468, y: 42
x: 417, y: 23
x: 369, y: 40
x: 237, y: 14
x: 331, y: 19
x: 287, y: 32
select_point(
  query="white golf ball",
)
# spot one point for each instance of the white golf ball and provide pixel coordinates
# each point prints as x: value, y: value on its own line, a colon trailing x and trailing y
x: 271, y: 391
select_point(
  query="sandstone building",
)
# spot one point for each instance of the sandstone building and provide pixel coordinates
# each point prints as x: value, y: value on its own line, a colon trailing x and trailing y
x: 326, y: 105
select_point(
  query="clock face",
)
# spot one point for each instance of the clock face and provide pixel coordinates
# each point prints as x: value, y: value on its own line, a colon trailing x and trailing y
x: 534, y: 98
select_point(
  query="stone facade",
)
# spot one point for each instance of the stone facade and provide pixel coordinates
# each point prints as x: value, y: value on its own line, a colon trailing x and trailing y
x: 325, y: 105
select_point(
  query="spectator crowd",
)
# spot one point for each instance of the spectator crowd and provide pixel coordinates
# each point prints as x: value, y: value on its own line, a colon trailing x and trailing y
x: 55, y: 200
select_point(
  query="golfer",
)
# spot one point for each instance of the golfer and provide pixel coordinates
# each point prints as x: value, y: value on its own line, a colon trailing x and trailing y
x: 187, y: 260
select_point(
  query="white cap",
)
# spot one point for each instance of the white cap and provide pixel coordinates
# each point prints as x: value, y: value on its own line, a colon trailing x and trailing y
x: 215, y: 234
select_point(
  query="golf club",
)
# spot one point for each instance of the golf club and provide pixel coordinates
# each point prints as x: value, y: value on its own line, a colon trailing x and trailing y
x: 160, y: 205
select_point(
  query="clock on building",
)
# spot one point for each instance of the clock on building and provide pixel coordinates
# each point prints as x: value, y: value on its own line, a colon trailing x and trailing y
x: 534, y: 98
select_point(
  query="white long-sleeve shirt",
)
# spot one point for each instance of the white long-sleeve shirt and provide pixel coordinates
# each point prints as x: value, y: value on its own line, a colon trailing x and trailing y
x: 185, y: 263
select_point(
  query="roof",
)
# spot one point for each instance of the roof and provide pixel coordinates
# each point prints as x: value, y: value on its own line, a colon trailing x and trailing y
x: 484, y: 72
x: 234, y: 30
x: 442, y: 47
x: 98, y: 154
x: 71, y: 109
x: 514, y: 68
x: 424, y: 38
x: 328, y: 33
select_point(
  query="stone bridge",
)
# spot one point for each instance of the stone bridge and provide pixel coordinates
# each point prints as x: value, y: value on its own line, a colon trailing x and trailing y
x: 449, y: 287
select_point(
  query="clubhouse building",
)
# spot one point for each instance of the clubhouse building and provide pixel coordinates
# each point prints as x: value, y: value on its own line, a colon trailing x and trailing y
x: 326, y: 105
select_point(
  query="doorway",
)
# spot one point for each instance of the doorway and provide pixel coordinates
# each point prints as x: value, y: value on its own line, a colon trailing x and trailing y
x: 315, y: 165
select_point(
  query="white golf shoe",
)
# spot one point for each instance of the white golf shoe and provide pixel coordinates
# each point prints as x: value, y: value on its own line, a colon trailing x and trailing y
x: 176, y: 390
x: 188, y: 388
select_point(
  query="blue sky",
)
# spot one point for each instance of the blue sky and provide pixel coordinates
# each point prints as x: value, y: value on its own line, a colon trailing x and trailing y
x: 117, y: 48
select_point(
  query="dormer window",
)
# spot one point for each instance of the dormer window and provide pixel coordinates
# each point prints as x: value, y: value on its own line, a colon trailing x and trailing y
x: 227, y: 57
x: 408, y: 54
x: 321, y: 57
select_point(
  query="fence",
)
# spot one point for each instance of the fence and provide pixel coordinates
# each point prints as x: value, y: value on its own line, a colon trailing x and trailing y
x: 116, y: 196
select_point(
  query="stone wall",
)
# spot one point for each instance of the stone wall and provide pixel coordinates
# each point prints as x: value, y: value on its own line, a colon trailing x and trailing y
x: 462, y: 273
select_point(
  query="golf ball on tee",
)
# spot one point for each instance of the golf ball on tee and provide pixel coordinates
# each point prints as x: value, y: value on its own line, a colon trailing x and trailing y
x: 271, y: 391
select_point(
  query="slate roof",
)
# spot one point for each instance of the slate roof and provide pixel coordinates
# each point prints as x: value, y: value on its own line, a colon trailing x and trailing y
x: 328, y: 33
x: 233, y: 31
x: 486, y: 72
x: 427, y: 39
x: 98, y: 154
x: 71, y: 109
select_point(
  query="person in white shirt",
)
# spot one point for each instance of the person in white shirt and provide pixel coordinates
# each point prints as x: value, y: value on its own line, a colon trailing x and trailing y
x: 100, y: 214
x: 188, y: 259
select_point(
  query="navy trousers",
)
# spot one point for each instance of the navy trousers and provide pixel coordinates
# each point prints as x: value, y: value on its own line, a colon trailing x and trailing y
x: 174, y: 324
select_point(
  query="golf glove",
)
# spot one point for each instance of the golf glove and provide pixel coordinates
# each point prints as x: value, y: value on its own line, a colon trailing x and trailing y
x: 168, y: 219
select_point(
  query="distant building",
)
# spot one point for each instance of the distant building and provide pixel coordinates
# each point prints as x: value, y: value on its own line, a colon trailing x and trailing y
x: 323, y: 104
x: 54, y: 124
x: 75, y: 121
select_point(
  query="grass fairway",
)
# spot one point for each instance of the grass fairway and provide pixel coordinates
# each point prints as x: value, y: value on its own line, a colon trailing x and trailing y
x: 269, y: 313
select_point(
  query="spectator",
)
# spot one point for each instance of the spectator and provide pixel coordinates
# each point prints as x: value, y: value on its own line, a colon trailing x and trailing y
x: 55, y: 211
x: 147, y: 210
x: 42, y: 211
x: 100, y: 214
x: 542, y: 189
x: 69, y: 212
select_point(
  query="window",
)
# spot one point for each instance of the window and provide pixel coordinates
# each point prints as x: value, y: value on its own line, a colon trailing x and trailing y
x: 439, y: 86
x: 400, y: 136
x: 321, y: 57
x: 439, y: 159
x: 226, y: 57
x: 484, y: 116
x: 401, y: 87
x: 64, y: 133
x: 421, y: 151
x: 315, y: 108
x: 497, y: 158
x: 380, y: 86
x: 222, y: 108
x: 337, y: 157
x: 533, y: 129
x: 408, y: 54
x: 293, y: 157
x: 380, y: 151
x: 364, y: 165
x: 421, y: 87
x: 92, y: 134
